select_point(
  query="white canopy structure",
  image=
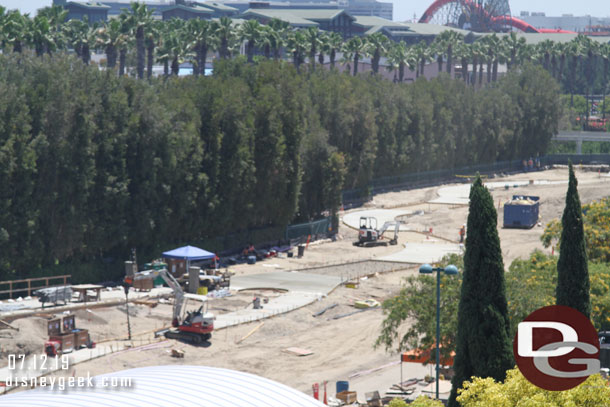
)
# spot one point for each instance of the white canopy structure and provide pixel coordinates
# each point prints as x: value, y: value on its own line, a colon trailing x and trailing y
x: 168, y: 386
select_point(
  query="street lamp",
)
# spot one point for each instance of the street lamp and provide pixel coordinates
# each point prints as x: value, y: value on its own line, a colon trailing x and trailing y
x: 449, y: 270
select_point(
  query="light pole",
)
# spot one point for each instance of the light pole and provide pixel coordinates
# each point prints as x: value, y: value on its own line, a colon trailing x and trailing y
x: 449, y: 270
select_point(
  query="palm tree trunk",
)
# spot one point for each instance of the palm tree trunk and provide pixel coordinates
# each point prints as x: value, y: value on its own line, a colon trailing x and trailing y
x: 250, y: 51
x: 175, y: 67
x: 122, y: 59
x: 475, y: 64
x: 356, y: 58
x: 333, y: 54
x: 312, y: 58
x: 321, y: 58
x: 140, y: 52
x: 554, y: 67
x: 423, y: 65
x: 197, y: 64
x: 111, y: 56
x: 86, y: 57
x: 439, y: 59
x: 17, y: 47
x: 449, y: 59
x: 267, y: 51
x: 204, y: 57
x: 562, y: 62
x: 166, y: 68
x: 494, y: 76
x: 481, y: 74
x: 489, y: 63
x: 401, y: 71
x: 465, y: 69
x: 150, y: 59
x: 375, y: 61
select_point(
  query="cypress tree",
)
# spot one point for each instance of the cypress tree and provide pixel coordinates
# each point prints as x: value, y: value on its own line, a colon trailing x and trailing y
x: 572, y: 269
x: 483, y: 340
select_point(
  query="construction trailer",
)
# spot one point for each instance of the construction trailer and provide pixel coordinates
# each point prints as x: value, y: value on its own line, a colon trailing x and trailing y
x: 522, y: 211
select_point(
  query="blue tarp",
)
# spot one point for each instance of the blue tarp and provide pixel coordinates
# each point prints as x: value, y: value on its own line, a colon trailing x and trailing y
x: 189, y: 253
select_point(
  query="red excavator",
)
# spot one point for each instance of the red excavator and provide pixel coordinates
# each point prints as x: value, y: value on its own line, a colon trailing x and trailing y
x: 197, y: 326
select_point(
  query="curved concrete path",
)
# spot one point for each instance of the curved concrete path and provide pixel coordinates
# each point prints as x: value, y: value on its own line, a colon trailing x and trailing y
x: 352, y: 219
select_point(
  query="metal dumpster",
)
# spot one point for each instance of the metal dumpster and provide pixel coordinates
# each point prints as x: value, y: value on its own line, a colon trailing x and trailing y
x: 522, y: 211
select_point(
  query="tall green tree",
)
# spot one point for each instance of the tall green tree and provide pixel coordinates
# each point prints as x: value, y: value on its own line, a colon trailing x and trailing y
x: 484, y: 346
x: 572, y: 269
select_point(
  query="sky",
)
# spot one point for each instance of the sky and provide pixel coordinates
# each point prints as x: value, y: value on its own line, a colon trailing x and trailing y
x: 405, y: 9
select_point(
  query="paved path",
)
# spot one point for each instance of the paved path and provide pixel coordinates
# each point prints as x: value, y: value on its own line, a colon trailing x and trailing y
x: 458, y: 194
x: 352, y: 219
x: 301, y: 289
x: 420, y: 253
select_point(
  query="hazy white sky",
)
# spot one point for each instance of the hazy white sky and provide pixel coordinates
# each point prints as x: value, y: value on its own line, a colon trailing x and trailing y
x: 405, y: 9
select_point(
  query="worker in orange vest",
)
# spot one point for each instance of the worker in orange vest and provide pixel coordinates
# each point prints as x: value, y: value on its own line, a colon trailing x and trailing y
x: 462, y: 233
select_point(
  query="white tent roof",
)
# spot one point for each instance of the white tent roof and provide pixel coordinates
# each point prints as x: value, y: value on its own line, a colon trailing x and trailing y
x: 170, y: 386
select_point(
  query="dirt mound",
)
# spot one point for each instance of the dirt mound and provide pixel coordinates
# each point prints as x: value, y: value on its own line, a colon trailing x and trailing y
x: 30, y: 337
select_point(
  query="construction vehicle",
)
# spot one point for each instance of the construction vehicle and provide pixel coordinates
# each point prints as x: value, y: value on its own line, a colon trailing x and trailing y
x: 368, y: 235
x: 197, y: 326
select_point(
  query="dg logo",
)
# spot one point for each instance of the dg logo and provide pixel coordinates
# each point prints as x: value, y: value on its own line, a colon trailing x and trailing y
x: 556, y: 348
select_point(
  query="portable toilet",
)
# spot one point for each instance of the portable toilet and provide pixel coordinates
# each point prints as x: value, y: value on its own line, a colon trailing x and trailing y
x: 521, y: 212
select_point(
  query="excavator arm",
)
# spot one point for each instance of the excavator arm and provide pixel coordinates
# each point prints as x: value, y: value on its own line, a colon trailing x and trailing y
x: 173, y: 284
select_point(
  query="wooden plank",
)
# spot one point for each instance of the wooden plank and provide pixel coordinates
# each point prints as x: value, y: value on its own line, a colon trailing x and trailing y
x: 9, y: 325
x: 250, y: 333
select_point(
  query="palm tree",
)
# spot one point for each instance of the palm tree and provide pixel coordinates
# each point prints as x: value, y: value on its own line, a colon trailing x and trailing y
x: 353, y: 49
x: 514, y: 45
x: 266, y: 40
x: 423, y: 53
x: 82, y: 37
x: 56, y: 16
x: 280, y: 30
x: 151, y: 40
x: 335, y: 42
x: 202, y: 35
x: 450, y: 39
x: 139, y: 18
x: 312, y: 37
x: 250, y: 31
x: 225, y: 34
x: 110, y: 37
x: 400, y: 56
x: 39, y: 35
x: 377, y: 46
x: 297, y: 44
x: 124, y: 45
x: 464, y: 53
x: 324, y: 47
x: 15, y: 30
x: 438, y: 48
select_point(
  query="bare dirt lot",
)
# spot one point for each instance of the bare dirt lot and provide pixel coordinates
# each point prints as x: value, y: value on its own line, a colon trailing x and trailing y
x: 340, y: 346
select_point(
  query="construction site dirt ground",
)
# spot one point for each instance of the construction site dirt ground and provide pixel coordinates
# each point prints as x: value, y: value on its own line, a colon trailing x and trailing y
x: 341, y: 347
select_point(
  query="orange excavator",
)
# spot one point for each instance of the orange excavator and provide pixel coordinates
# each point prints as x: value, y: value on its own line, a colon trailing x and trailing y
x: 197, y: 326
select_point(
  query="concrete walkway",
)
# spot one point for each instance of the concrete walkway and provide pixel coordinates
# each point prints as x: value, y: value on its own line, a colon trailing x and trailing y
x: 352, y: 219
x: 301, y: 289
x: 420, y: 253
x: 458, y: 194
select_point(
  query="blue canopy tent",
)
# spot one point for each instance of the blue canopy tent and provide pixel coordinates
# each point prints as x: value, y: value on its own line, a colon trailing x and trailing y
x: 189, y: 253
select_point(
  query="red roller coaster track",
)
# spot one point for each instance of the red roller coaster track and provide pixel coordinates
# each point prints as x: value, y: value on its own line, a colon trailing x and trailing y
x: 507, y: 20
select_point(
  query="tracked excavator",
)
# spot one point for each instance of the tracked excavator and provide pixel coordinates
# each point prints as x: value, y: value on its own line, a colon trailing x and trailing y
x: 197, y: 326
x: 369, y: 235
